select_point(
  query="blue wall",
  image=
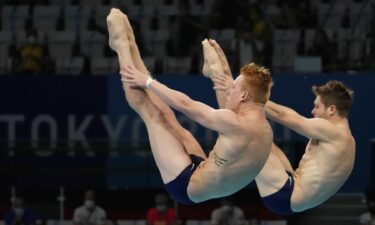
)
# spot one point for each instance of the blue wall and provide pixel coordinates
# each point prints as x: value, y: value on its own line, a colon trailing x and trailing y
x: 83, y: 109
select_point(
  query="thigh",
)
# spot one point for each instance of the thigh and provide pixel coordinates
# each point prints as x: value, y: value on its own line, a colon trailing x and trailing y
x: 282, y: 157
x: 272, y: 177
x: 190, y: 144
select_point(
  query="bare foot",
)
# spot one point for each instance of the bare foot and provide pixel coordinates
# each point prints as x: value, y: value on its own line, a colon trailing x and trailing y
x: 212, y: 64
x: 116, y: 30
x: 129, y: 30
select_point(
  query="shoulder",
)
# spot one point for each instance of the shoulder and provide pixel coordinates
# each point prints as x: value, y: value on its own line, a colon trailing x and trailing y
x: 238, y: 211
x: 80, y: 209
x: 100, y: 210
x: 365, y: 216
x: 256, y: 124
x: 151, y: 211
x: 216, y: 211
x: 229, y: 118
x: 170, y: 212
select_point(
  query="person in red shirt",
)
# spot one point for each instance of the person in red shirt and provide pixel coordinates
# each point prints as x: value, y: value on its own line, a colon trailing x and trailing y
x: 161, y: 214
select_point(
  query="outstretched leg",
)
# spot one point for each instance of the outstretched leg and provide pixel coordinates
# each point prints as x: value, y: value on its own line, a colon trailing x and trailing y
x: 188, y: 141
x: 168, y: 151
x: 282, y: 157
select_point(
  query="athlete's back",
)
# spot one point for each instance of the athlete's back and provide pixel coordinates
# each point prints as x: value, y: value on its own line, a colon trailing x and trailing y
x: 235, y: 159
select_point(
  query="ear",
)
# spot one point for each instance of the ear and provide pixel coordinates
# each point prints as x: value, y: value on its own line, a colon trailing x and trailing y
x: 244, y: 96
x: 332, y: 110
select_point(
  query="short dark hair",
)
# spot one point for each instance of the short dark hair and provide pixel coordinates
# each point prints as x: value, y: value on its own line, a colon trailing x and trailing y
x: 335, y: 93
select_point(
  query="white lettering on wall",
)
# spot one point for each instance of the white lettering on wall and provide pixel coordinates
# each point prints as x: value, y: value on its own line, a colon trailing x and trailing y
x: 35, y: 126
x: 75, y: 132
x: 113, y: 131
x: 11, y: 121
x: 136, y: 131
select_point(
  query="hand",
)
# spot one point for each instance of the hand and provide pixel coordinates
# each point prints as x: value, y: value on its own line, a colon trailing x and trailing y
x: 222, y: 82
x: 134, y: 77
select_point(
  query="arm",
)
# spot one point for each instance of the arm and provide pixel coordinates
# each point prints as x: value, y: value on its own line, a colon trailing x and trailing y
x: 150, y: 217
x: 103, y: 218
x: 315, y: 128
x: 222, y: 121
x: 77, y: 219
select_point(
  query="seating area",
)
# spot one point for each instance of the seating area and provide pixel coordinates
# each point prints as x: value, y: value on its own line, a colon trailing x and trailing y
x: 73, y: 33
x: 143, y: 222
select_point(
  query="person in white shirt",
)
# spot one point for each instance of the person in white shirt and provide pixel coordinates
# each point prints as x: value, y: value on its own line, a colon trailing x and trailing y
x: 227, y: 214
x: 89, y: 213
x: 368, y: 218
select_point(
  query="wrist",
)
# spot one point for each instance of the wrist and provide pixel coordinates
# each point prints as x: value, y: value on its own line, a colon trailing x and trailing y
x: 149, y: 81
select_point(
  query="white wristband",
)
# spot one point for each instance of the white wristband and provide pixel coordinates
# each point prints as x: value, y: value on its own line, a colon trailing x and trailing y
x: 148, y: 82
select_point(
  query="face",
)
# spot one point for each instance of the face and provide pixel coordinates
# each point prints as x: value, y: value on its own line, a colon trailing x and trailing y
x: 234, y: 95
x: 89, y: 200
x: 319, y: 110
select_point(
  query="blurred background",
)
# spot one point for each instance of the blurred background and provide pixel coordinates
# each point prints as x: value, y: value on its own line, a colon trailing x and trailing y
x: 74, y: 153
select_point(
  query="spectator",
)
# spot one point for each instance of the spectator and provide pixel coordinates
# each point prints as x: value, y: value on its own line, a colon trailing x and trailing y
x: 368, y: 218
x: 228, y: 214
x: 32, y: 55
x: 161, y: 214
x: 20, y: 215
x: 89, y: 213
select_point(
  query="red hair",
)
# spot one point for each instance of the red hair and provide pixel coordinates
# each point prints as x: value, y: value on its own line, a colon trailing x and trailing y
x: 258, y: 81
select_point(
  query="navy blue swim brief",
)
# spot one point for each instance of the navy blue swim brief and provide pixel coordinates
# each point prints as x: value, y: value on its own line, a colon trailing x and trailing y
x: 279, y: 202
x: 177, y: 188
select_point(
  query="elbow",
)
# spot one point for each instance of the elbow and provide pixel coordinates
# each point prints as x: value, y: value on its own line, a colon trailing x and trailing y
x: 184, y: 104
x: 281, y: 116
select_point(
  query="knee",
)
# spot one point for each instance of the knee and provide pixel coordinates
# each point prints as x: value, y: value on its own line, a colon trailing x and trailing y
x: 158, y: 117
x: 135, y: 101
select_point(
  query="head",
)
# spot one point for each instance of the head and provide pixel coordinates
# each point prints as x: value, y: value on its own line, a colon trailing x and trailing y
x: 19, y: 206
x: 89, y: 199
x: 252, y: 85
x: 161, y: 203
x: 226, y: 202
x: 332, y: 99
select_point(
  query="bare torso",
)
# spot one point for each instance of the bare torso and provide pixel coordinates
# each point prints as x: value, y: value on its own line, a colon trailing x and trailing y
x: 323, y: 169
x: 234, y: 161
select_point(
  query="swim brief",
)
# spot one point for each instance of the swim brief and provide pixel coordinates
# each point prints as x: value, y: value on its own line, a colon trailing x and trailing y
x: 177, y: 188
